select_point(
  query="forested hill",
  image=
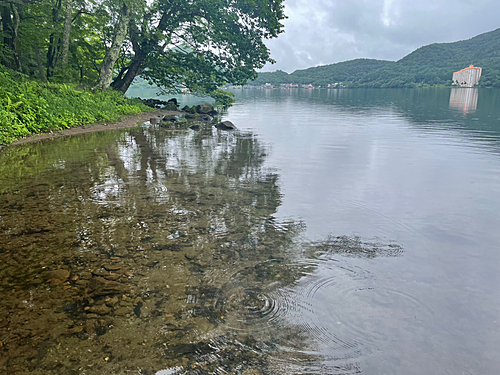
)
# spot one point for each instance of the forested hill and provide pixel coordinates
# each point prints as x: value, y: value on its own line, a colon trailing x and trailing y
x: 433, y: 64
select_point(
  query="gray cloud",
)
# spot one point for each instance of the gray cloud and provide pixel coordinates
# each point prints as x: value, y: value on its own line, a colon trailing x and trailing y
x: 327, y: 31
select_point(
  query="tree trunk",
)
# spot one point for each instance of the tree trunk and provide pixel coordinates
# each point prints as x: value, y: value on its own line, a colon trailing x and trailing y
x: 122, y: 84
x: 7, y: 33
x: 66, y: 33
x: 10, y: 25
x: 53, y: 50
x: 112, y: 54
x: 43, y: 77
x: 6, y: 25
x: 15, y: 27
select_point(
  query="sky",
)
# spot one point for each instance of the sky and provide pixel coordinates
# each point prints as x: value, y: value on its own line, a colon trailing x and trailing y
x: 321, y: 32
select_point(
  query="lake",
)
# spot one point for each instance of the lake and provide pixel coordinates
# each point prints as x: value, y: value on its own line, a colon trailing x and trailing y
x: 336, y: 232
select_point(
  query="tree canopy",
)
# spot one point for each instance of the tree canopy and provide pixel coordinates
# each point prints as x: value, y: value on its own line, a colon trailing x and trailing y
x: 196, y: 44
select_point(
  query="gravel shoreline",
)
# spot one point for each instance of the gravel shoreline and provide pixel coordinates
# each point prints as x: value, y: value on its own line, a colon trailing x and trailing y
x: 128, y: 121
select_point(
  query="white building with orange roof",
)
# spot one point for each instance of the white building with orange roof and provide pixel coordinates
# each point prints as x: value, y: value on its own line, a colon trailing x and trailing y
x: 467, y: 77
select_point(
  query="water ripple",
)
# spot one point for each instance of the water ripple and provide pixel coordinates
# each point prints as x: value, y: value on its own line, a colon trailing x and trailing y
x: 333, y: 313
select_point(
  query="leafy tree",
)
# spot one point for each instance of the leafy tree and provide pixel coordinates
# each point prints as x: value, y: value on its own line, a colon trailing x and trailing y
x: 201, y: 44
x: 198, y: 44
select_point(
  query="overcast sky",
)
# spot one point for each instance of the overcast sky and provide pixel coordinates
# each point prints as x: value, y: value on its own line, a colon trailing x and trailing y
x: 319, y: 32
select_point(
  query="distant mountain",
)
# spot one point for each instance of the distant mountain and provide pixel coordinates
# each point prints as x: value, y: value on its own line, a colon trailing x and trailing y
x: 433, y: 64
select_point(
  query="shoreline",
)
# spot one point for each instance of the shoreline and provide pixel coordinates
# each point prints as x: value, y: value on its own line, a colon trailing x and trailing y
x: 128, y: 121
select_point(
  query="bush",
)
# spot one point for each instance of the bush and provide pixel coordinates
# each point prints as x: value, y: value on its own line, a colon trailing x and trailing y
x: 30, y: 107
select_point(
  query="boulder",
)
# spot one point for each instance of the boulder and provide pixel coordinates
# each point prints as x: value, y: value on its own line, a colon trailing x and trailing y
x: 205, y: 118
x: 167, y: 125
x: 153, y: 103
x: 225, y: 125
x: 205, y: 108
x: 199, y: 117
x: 169, y: 118
x: 170, y: 107
x: 173, y: 101
x: 189, y: 109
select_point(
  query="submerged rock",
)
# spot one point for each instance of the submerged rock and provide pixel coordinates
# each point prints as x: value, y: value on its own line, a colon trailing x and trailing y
x: 99, y: 286
x: 86, y: 275
x: 121, y: 311
x: 206, y: 118
x: 57, y: 277
x: 99, y: 309
x: 225, y: 125
x: 169, y: 118
x: 199, y: 117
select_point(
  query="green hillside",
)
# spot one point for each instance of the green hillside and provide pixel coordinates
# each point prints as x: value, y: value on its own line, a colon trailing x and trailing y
x: 429, y: 65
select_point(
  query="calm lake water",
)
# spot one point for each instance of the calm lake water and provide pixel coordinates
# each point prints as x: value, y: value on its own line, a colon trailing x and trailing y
x: 336, y: 232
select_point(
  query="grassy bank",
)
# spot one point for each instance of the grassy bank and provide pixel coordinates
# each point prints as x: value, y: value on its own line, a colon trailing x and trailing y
x: 30, y: 107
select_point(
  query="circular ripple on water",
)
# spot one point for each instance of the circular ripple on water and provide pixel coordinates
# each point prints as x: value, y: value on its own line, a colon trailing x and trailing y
x: 335, y: 310
x: 285, y: 317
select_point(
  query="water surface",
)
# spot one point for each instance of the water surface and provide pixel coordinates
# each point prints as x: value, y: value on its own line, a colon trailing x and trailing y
x: 337, y: 232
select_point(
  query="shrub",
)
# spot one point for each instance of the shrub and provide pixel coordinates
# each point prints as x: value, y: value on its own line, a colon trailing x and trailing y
x: 31, y: 107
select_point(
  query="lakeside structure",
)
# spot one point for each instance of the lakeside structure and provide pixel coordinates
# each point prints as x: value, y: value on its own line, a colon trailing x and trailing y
x: 467, y: 77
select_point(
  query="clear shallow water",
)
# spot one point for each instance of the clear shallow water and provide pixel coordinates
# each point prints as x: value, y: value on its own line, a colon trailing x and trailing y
x: 338, y: 232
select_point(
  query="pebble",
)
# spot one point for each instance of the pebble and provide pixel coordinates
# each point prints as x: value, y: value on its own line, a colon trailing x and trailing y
x: 57, y: 277
x: 121, y: 311
x: 75, y: 330
x: 112, y: 301
x: 100, y: 309
x: 113, y: 267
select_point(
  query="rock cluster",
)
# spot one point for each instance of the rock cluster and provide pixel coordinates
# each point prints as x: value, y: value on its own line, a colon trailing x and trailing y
x: 189, y: 117
x: 170, y: 105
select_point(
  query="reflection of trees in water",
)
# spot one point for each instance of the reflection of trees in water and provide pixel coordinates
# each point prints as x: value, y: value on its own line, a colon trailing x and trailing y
x: 184, y: 223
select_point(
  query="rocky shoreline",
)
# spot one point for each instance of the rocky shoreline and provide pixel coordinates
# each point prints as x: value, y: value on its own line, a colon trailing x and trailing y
x: 166, y: 114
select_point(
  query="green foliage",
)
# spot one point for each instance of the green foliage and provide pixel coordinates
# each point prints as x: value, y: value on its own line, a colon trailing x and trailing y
x: 203, y: 44
x: 223, y: 98
x: 29, y: 107
x: 174, y: 44
x: 431, y: 65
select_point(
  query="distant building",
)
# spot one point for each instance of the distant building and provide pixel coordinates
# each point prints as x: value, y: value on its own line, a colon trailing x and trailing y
x: 468, y: 77
x: 336, y: 84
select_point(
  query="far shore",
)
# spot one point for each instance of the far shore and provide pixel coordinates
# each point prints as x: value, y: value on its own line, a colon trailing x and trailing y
x: 128, y: 121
